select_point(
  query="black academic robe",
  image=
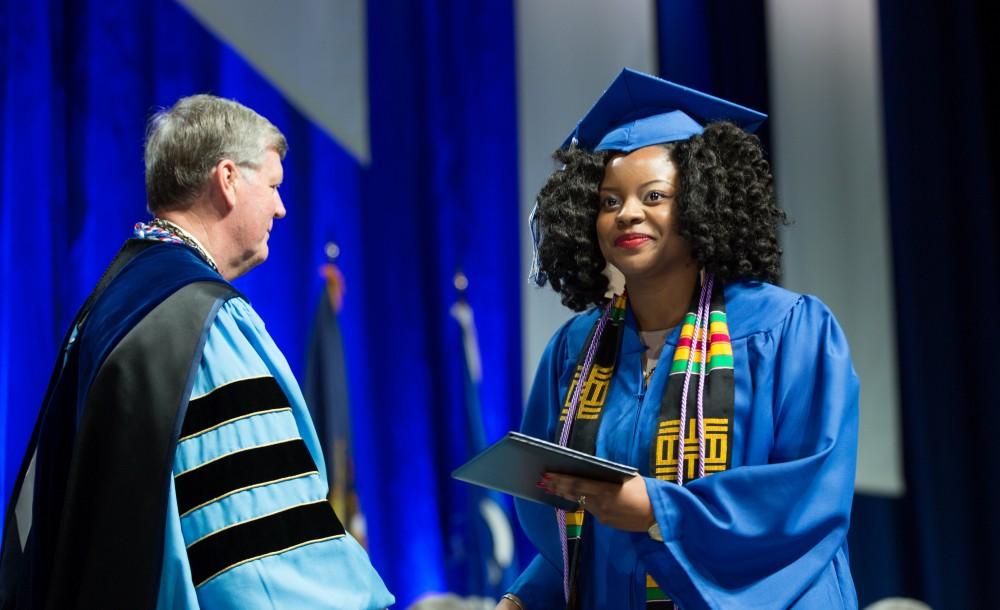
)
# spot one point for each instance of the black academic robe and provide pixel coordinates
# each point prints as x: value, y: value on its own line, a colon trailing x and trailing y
x: 85, y: 521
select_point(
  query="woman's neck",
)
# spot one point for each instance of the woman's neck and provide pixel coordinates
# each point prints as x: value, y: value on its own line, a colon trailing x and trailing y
x: 661, y: 302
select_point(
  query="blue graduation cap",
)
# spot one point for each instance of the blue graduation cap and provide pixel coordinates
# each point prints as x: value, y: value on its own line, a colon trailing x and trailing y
x: 640, y: 110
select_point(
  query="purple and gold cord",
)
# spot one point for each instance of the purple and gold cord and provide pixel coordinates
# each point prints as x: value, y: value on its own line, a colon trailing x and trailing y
x: 707, y: 297
x: 588, y: 361
x: 704, y: 302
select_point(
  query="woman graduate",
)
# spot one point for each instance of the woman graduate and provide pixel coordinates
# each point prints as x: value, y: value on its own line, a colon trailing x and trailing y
x: 734, y: 398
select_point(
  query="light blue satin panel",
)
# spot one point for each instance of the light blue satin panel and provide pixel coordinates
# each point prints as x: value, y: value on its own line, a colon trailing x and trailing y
x: 330, y: 574
x: 335, y: 574
x: 769, y: 532
x: 240, y: 434
x: 252, y: 329
x: 249, y: 504
x: 176, y: 591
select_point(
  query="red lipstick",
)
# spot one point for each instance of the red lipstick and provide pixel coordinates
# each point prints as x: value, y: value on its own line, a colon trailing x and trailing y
x: 631, y: 240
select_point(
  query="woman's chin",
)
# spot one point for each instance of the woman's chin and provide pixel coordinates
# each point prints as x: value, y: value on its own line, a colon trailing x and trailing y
x: 635, y: 268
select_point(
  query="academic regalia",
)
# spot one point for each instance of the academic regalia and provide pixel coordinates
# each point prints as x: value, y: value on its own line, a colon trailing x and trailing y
x: 243, y: 375
x: 746, y: 435
x: 769, y: 532
x: 94, y: 520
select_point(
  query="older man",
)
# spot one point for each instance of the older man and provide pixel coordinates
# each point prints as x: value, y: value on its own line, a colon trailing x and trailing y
x: 174, y: 464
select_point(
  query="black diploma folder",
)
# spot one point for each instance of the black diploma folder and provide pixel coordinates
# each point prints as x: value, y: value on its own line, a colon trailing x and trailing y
x: 516, y: 462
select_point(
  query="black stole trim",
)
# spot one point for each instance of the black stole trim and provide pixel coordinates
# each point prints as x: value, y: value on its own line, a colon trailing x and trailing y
x: 717, y: 409
x: 583, y: 434
x: 84, y: 527
x: 13, y: 573
x: 114, y: 523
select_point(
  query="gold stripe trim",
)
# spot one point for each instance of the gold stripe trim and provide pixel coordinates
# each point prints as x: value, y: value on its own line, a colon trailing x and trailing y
x: 246, y: 487
x: 278, y: 552
x: 225, y: 455
x: 252, y: 519
x: 229, y: 421
x: 574, y: 517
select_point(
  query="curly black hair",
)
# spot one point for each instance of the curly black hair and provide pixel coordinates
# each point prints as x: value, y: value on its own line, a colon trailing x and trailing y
x: 725, y: 204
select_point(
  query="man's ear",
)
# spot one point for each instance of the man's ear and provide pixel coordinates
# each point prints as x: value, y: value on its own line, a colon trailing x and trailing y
x: 223, y: 182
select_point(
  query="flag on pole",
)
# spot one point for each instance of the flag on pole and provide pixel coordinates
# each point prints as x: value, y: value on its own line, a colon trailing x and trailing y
x: 326, y: 393
x: 492, y: 567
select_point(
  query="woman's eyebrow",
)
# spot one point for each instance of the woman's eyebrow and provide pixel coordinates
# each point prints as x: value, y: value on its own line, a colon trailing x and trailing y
x: 645, y: 184
x: 614, y: 187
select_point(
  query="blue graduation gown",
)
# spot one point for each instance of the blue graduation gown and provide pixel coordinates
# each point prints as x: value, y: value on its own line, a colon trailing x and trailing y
x: 770, y: 532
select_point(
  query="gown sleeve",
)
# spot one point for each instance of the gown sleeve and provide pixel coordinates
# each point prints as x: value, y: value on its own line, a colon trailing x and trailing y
x: 759, y: 535
x: 248, y: 521
x: 540, y: 585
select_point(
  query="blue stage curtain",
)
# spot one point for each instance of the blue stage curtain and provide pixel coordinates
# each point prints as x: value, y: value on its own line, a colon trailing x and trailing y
x: 717, y: 47
x: 78, y: 81
x: 721, y: 48
x: 941, y: 86
x: 441, y: 193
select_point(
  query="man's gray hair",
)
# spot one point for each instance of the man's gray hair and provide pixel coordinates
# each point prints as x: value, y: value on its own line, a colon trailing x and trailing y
x: 185, y: 142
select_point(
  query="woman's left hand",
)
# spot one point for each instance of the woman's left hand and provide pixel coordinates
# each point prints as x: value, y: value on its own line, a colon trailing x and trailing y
x: 623, y: 506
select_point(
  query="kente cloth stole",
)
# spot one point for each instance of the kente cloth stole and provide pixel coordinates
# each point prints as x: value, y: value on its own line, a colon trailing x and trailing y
x: 700, y: 432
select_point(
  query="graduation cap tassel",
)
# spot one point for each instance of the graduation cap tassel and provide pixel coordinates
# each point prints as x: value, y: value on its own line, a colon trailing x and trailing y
x: 536, y: 275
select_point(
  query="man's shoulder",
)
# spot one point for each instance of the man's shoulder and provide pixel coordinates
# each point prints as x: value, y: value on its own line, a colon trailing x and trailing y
x: 163, y: 278
x: 149, y: 274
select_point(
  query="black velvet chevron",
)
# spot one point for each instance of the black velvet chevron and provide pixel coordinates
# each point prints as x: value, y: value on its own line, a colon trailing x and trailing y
x: 267, y: 535
x: 232, y: 401
x: 242, y: 470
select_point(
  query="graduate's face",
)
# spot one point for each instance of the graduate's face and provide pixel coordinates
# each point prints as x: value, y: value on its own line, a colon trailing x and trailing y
x: 258, y: 204
x: 637, y: 220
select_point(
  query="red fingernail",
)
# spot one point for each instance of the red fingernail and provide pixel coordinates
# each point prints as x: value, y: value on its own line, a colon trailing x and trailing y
x: 546, y: 476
